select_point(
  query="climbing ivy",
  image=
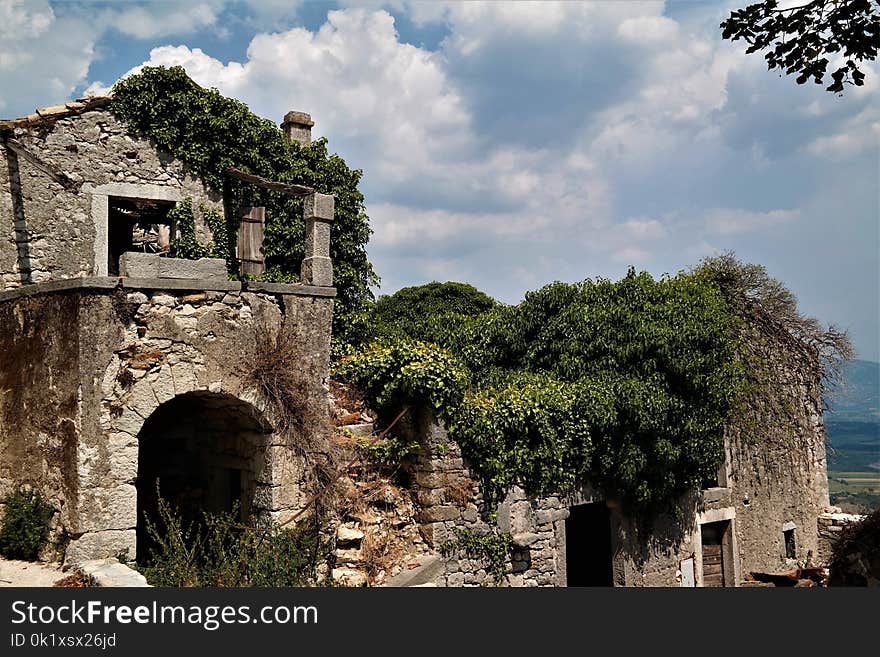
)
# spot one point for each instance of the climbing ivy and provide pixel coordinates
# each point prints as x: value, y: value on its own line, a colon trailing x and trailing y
x: 211, y: 133
x: 402, y: 372
x: 627, y: 386
x: 494, y: 549
x: 186, y: 243
x: 623, y: 385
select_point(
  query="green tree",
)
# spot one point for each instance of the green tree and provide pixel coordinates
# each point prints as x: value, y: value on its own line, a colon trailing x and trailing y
x: 801, y: 39
x: 411, y: 311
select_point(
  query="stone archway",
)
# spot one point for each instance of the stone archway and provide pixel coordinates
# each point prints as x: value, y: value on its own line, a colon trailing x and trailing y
x: 208, y: 453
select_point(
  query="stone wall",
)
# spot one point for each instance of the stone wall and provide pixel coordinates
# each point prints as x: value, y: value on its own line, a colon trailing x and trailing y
x: 779, y: 481
x: 83, y: 369
x: 48, y: 232
x: 830, y: 525
x: 765, y: 488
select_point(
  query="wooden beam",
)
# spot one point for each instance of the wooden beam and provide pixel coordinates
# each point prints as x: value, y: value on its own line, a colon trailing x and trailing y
x: 61, y: 178
x: 284, y: 188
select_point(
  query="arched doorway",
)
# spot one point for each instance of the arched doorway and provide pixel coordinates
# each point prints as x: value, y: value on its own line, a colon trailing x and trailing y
x: 207, y: 453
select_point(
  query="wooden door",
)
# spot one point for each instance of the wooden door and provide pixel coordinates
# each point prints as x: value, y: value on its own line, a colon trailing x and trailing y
x: 713, y: 537
x: 250, y: 241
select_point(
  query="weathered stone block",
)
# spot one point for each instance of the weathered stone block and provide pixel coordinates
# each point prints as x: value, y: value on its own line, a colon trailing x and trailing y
x: 111, y: 573
x: 349, y: 577
x: 545, y: 516
x: 348, y: 536
x: 151, y: 265
x: 522, y: 519
x: 102, y: 545
x: 440, y: 514
x: 123, y: 457
x: 317, y: 270
x: 318, y: 206
x: 455, y: 579
x: 317, y: 239
x: 525, y: 539
x: 108, y: 508
x: 349, y: 555
x: 281, y: 467
x: 203, y: 268
x: 276, y: 498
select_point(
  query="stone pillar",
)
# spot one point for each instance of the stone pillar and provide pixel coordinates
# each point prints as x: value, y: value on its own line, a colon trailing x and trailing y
x: 317, y: 268
x: 297, y: 126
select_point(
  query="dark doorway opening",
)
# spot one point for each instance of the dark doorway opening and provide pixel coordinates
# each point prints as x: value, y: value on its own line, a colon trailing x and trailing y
x: 588, y: 546
x: 136, y: 225
x: 205, y: 452
x: 715, y: 539
x: 790, y: 545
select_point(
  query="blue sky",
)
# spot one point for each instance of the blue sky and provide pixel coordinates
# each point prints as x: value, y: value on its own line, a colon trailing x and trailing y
x: 512, y: 144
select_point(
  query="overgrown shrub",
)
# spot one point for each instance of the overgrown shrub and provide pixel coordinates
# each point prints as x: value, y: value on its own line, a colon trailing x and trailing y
x: 493, y: 549
x: 413, y: 312
x: 855, y: 558
x: 24, y: 529
x: 627, y: 386
x: 403, y: 372
x: 219, y: 551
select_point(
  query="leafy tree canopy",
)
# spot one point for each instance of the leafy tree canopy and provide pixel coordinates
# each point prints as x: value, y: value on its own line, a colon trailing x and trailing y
x: 627, y: 386
x: 211, y: 133
x: 803, y: 39
x: 411, y: 310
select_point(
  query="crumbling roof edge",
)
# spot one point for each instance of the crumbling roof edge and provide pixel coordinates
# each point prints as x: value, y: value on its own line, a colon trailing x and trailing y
x: 48, y: 115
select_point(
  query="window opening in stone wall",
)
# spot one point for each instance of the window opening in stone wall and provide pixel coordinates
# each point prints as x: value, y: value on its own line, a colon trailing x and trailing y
x: 715, y: 537
x: 790, y: 545
x: 140, y: 225
x: 588, y: 545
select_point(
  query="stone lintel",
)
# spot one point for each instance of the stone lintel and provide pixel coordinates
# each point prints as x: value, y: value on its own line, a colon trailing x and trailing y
x: 209, y: 285
x: 112, y: 282
x: 61, y: 285
x: 289, y: 288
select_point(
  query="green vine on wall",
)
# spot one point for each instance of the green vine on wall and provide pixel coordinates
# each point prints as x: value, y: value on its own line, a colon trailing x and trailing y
x: 186, y: 243
x: 494, y: 549
x: 211, y: 133
x: 626, y: 386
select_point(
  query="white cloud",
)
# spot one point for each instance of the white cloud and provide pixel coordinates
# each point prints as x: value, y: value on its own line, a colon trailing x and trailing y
x: 856, y: 134
x: 731, y: 221
x: 161, y: 19
x: 20, y: 20
x: 42, y: 56
x: 650, y: 31
x: 393, y: 105
x: 631, y: 255
x: 46, y: 53
x: 644, y: 229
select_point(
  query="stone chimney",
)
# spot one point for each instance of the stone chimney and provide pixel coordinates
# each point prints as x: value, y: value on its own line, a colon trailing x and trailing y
x: 297, y: 126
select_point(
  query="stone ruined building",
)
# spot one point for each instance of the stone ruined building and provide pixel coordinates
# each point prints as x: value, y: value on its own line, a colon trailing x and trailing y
x: 760, y: 517
x: 118, y: 366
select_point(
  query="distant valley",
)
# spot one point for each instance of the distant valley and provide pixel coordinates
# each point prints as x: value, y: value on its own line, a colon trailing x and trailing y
x: 853, y: 428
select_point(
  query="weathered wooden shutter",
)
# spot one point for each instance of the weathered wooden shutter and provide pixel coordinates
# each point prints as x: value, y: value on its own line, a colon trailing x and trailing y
x: 713, y: 565
x: 250, y: 241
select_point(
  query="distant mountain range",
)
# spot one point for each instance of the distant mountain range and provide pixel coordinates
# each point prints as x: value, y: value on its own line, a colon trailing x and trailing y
x: 853, y: 421
x: 858, y: 398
